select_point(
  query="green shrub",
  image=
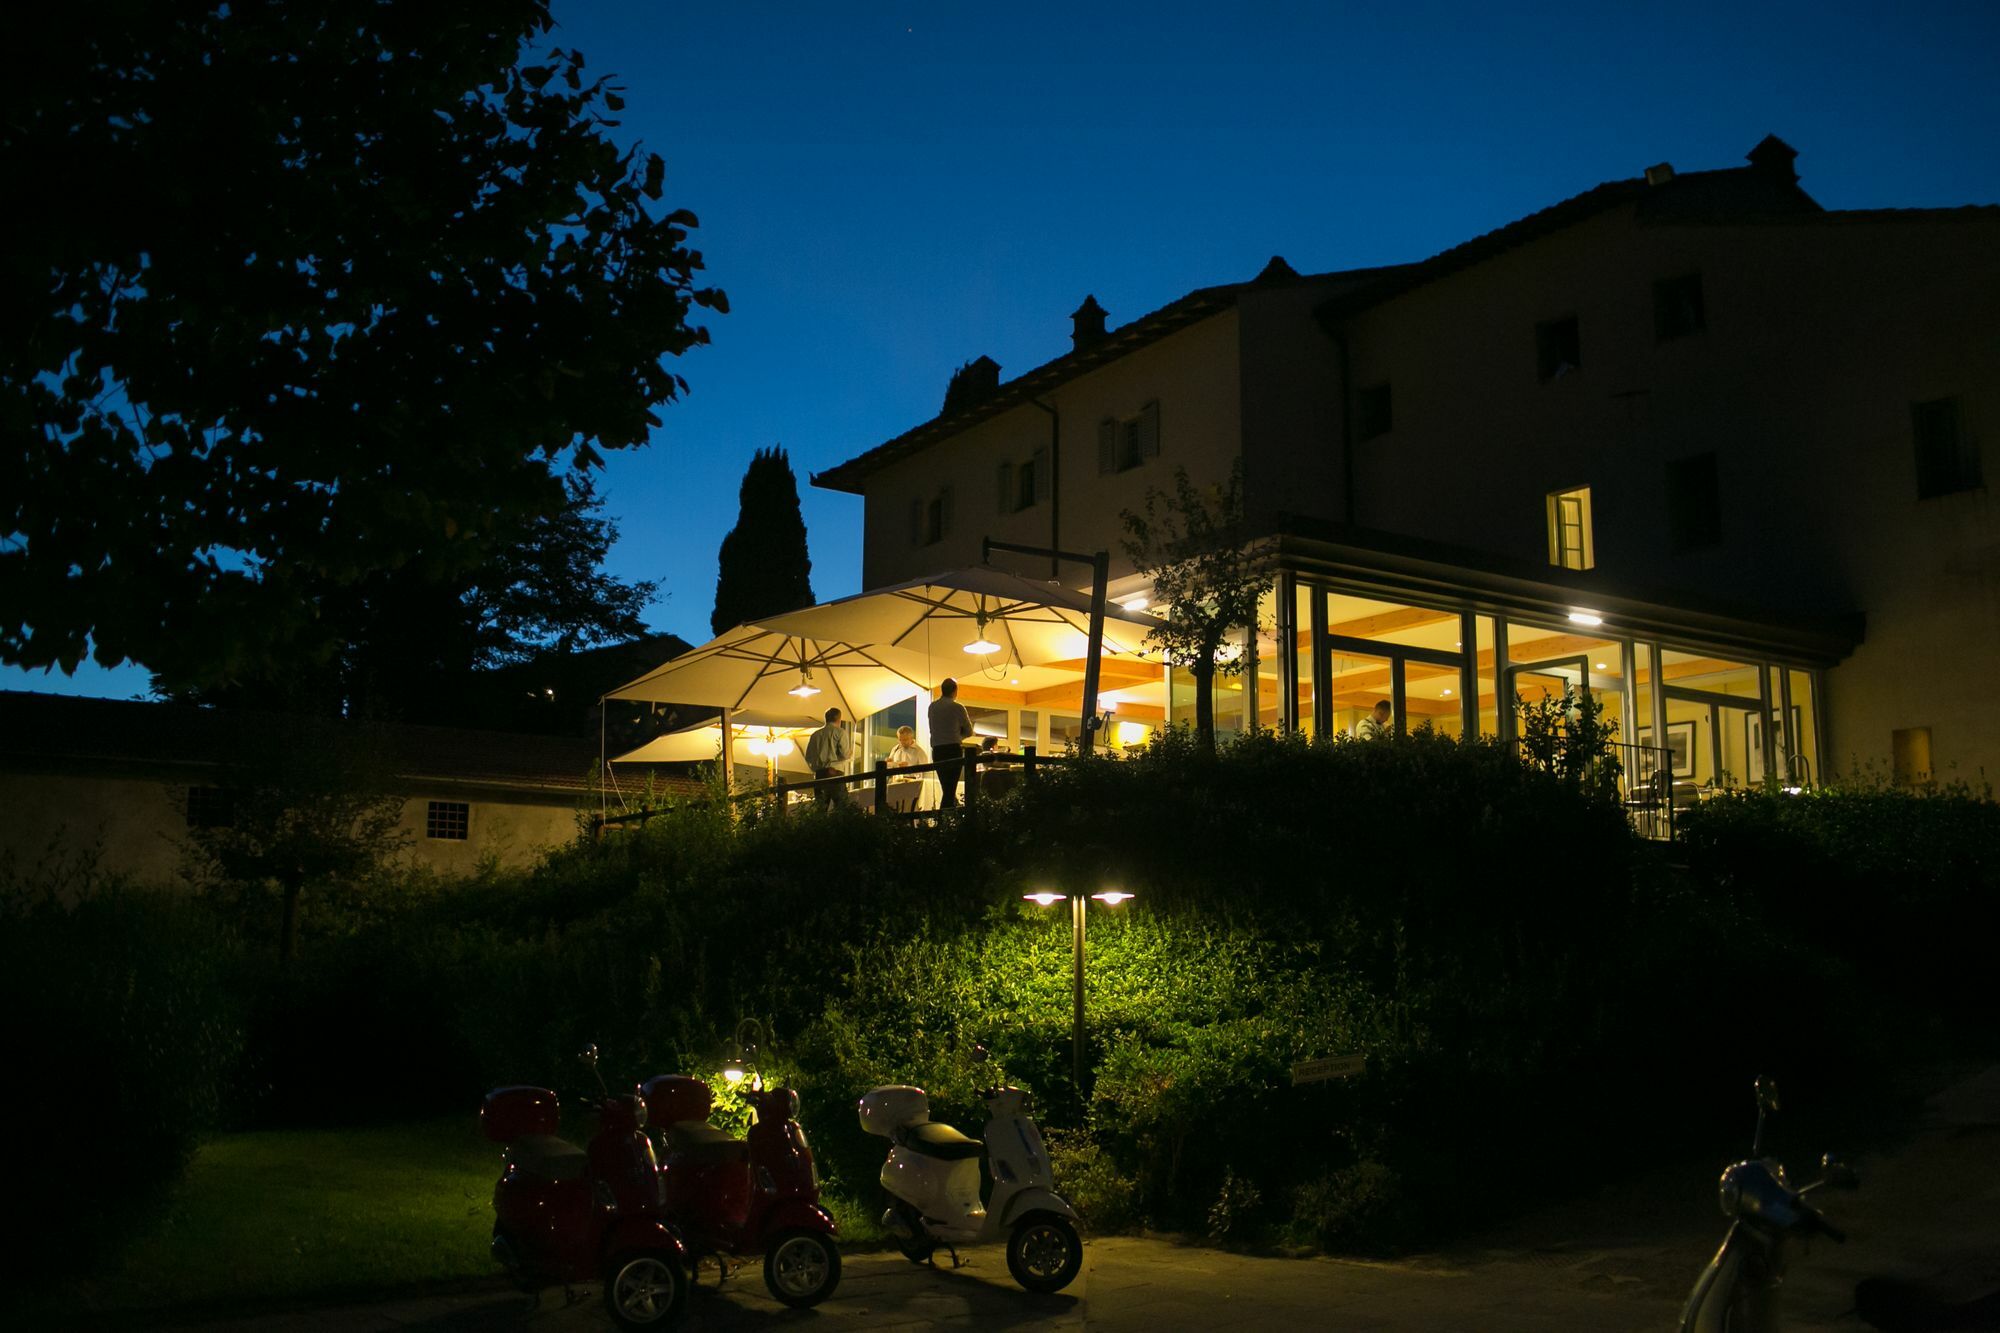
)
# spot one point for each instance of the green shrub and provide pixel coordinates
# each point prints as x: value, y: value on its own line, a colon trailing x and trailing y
x: 124, y: 1032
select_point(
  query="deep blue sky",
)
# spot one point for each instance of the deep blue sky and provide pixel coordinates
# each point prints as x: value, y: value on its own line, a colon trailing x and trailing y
x: 888, y: 190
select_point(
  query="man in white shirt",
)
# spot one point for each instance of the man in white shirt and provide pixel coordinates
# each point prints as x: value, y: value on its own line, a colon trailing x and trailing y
x: 907, y: 754
x: 1375, y: 726
x: 951, y: 727
x: 826, y: 753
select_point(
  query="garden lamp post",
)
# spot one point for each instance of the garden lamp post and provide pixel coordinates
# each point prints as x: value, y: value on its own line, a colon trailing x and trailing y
x: 1077, y: 903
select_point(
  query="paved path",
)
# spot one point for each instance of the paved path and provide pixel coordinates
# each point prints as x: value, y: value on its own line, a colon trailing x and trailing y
x: 1929, y: 1209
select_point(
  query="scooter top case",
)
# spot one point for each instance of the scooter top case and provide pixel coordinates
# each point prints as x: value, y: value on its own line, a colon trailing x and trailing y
x: 886, y: 1109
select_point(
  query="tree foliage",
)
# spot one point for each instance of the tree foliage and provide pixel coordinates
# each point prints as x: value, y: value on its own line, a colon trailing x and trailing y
x: 310, y: 296
x: 1207, y: 578
x: 412, y: 650
x: 764, y: 567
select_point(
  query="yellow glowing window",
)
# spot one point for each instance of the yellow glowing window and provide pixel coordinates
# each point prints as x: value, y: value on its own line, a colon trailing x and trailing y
x: 1570, y: 542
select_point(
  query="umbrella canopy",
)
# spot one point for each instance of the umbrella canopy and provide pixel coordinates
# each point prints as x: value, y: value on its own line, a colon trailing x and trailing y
x: 764, y: 669
x: 703, y: 740
x: 1031, y: 624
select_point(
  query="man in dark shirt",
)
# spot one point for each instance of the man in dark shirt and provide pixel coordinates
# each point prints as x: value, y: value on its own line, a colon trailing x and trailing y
x: 951, y: 727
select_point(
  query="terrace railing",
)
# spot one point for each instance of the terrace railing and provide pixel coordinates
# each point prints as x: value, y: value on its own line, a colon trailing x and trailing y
x: 985, y: 777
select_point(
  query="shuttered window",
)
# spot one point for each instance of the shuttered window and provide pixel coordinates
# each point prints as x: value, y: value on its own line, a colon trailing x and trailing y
x: 1125, y: 444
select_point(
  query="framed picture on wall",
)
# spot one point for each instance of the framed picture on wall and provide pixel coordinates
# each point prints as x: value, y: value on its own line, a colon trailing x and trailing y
x: 1680, y: 749
x: 1753, y: 744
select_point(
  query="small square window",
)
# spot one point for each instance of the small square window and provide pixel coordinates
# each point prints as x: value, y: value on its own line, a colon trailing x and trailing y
x: 931, y: 519
x: 1677, y: 307
x: 1694, y: 502
x: 1558, y: 348
x: 1571, y: 543
x: 1373, y: 412
x: 1947, y: 458
x: 448, y: 819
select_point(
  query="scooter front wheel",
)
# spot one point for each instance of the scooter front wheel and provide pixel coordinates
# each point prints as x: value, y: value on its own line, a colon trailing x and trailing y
x: 802, y: 1267
x: 644, y: 1289
x: 1044, y: 1252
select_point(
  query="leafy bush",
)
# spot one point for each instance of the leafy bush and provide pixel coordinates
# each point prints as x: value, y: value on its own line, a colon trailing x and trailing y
x: 123, y: 1036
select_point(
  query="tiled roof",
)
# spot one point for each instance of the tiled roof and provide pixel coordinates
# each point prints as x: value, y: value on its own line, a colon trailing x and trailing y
x: 1150, y: 328
x: 114, y: 733
x: 1696, y: 196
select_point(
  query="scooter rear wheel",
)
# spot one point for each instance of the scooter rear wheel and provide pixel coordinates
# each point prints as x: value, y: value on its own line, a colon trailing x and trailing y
x: 802, y: 1267
x: 644, y: 1289
x: 1044, y: 1252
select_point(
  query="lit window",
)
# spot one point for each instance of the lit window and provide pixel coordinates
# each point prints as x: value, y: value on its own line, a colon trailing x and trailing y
x: 448, y: 819
x: 1570, y: 542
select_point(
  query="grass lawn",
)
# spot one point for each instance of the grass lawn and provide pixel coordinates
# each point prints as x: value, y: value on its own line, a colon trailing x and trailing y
x: 297, y: 1213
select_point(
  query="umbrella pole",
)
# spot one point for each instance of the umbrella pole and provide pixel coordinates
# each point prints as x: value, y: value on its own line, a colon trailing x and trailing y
x: 728, y: 755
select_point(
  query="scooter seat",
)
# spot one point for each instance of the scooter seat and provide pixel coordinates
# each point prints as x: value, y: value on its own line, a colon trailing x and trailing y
x: 547, y: 1157
x: 941, y: 1142
x: 699, y: 1143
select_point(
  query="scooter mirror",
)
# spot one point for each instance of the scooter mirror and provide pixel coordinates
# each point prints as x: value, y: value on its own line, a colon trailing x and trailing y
x: 980, y: 1055
x: 1837, y: 1174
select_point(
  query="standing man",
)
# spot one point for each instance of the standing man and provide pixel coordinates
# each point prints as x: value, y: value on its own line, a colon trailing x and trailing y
x: 1375, y: 726
x: 951, y: 727
x: 826, y: 753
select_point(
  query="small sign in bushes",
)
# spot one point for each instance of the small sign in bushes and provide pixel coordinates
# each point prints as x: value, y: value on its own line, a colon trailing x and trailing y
x: 1327, y: 1067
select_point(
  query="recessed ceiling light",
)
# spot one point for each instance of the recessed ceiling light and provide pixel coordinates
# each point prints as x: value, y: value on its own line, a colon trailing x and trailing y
x: 1600, y: 666
x: 1447, y: 691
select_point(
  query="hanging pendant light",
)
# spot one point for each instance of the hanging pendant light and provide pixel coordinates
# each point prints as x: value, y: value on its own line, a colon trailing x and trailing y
x: 982, y: 645
x: 805, y: 689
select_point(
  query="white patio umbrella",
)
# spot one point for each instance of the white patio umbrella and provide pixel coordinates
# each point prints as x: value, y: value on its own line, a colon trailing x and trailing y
x: 764, y: 669
x: 947, y: 617
x: 756, y: 738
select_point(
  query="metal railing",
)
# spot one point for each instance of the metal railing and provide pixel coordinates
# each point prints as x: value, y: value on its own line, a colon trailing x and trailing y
x: 981, y: 771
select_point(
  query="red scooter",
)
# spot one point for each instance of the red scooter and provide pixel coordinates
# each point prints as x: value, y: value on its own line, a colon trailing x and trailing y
x: 564, y: 1214
x: 760, y: 1195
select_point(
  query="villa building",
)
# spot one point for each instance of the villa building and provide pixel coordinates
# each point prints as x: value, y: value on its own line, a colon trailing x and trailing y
x: 1688, y: 439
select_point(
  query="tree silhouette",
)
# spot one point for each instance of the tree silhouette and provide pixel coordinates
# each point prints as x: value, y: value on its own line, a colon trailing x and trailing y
x: 415, y: 650
x: 1207, y: 579
x: 311, y: 296
x: 763, y: 566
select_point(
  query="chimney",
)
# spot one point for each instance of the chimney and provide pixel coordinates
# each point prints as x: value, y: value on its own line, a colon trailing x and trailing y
x: 1275, y: 271
x: 1087, y: 323
x: 1774, y: 155
x: 1659, y: 173
x: 970, y: 383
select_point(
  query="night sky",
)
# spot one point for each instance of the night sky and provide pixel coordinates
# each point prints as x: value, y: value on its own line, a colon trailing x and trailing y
x: 888, y: 190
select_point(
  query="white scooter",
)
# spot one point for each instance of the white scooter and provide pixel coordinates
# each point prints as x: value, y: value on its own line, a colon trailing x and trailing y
x: 932, y: 1176
x: 1738, y: 1291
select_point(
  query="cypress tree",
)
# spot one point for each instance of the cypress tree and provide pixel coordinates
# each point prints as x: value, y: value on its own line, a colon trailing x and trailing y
x: 763, y: 567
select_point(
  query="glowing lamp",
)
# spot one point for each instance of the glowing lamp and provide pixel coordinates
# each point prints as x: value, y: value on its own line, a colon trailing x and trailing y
x: 1113, y: 897
x: 983, y: 646
x: 1135, y: 604
x: 805, y: 689
x: 734, y: 1072
x: 1585, y: 618
x: 1045, y: 898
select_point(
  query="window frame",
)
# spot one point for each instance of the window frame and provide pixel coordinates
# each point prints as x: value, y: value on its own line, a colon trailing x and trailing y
x: 1945, y: 464
x: 1549, y: 365
x: 441, y: 817
x: 1560, y: 526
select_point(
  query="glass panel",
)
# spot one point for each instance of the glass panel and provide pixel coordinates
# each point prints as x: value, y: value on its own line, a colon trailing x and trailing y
x: 1031, y: 728
x: 1391, y: 622
x: 881, y: 729
x: 1431, y: 696
x: 1356, y: 682
x: 1691, y: 741
x: 1805, y: 746
x: 1642, y: 697
x: 1268, y: 665
x: 1232, y: 702
x: 1489, y: 716
x: 1730, y: 719
x: 1307, y: 659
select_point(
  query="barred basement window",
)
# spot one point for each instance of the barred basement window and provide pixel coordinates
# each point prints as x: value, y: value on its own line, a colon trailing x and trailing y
x: 448, y: 819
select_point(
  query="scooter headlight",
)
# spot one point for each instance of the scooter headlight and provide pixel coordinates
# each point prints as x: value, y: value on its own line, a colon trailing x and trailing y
x: 791, y: 1104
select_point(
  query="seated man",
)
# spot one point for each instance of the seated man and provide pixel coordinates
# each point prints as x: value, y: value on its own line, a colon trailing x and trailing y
x: 907, y: 754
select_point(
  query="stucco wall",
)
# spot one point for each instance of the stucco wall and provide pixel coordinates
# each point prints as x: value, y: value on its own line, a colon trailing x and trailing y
x: 135, y: 826
x: 1818, y: 339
